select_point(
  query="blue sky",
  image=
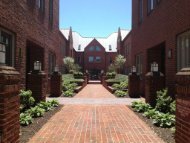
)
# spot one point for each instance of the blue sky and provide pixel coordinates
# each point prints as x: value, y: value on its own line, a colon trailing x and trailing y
x: 95, y: 18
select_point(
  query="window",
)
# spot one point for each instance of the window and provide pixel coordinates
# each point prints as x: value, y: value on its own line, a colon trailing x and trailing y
x: 79, y: 47
x: 140, y: 10
x: 52, y: 62
x: 90, y: 59
x: 183, y: 50
x: 51, y: 12
x: 41, y: 5
x: 110, y: 48
x: 7, y: 38
x: 91, y: 48
x: 139, y: 63
x: 152, y: 4
x: 98, y: 59
x: 98, y: 48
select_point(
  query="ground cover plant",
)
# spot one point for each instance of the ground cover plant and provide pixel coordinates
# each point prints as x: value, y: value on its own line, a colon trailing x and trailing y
x: 30, y: 110
x: 163, y: 113
x: 69, y: 83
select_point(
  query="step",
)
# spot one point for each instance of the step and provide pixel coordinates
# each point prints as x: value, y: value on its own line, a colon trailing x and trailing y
x: 94, y: 82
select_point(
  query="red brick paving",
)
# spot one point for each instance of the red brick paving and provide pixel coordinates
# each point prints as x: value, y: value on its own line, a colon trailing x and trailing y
x: 95, y: 124
x: 94, y: 91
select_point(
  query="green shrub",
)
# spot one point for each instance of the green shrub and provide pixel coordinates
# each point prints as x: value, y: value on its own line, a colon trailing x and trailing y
x: 45, y: 105
x: 141, y: 107
x: 54, y: 103
x: 110, y: 75
x: 164, y: 120
x: 26, y: 99
x: 25, y: 119
x: 36, y: 112
x: 116, y: 86
x: 173, y: 107
x: 163, y: 101
x: 69, y: 86
x: 120, y: 93
x: 118, y: 78
x: 150, y: 113
x: 78, y: 75
x: 68, y: 93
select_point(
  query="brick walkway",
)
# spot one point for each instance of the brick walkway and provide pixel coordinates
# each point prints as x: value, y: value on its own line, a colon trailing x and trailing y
x: 83, y: 123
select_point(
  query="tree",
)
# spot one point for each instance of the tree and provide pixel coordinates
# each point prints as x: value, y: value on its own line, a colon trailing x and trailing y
x: 119, y: 62
x: 111, y: 68
x: 69, y: 63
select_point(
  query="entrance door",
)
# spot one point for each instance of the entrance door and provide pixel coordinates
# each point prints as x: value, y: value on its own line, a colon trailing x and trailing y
x: 94, y: 74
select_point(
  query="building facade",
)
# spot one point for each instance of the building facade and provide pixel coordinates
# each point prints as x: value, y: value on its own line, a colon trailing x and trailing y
x: 30, y: 31
x: 160, y: 33
x: 93, y: 54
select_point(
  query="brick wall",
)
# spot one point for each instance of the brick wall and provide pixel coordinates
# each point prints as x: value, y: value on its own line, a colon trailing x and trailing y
x: 27, y: 23
x: 87, y: 53
x: 163, y: 24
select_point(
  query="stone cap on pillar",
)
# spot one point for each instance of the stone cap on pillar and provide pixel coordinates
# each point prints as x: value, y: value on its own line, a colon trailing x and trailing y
x: 11, y: 72
x: 183, y: 76
x: 151, y: 74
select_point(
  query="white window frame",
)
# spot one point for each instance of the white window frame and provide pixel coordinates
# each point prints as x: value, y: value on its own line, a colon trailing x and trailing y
x: 13, y: 44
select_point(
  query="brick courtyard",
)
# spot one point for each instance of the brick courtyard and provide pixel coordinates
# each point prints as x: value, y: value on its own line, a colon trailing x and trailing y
x: 95, y: 123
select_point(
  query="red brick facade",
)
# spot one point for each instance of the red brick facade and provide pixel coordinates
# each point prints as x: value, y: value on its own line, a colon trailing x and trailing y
x: 155, y: 35
x: 35, y: 36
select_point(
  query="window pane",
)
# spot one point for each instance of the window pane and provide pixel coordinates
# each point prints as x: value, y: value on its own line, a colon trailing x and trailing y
x: 98, y: 59
x: 91, y: 48
x: 98, y: 48
x: 90, y: 59
x: 183, y: 50
x: 8, y: 40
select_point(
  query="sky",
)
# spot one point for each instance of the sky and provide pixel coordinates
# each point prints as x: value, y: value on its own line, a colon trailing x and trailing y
x: 95, y: 18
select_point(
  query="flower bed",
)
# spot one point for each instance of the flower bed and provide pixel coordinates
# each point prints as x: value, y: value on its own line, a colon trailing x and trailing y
x: 162, y: 115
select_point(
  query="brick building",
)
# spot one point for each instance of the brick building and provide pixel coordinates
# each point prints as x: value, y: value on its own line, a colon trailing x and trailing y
x: 93, y: 54
x: 160, y: 33
x: 30, y: 30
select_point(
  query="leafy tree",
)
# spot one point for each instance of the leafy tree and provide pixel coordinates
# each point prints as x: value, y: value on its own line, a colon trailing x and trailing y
x: 69, y: 63
x: 119, y: 62
x: 111, y: 68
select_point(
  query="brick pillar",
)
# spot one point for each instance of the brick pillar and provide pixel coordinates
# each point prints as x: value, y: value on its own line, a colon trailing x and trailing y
x: 9, y: 105
x: 55, y: 84
x: 183, y: 106
x: 37, y: 83
x: 85, y: 81
x: 133, y: 87
x: 153, y: 83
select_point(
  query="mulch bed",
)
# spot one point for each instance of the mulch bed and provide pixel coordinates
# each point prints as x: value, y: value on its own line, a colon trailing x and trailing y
x: 164, y: 133
x: 27, y: 132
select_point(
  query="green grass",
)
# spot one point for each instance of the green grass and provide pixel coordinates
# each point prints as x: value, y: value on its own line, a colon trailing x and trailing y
x: 118, y: 78
x: 70, y: 78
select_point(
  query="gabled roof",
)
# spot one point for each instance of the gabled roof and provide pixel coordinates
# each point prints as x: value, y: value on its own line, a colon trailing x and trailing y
x: 82, y: 42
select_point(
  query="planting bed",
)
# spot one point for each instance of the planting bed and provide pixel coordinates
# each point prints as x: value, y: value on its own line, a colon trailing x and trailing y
x: 26, y: 132
x: 164, y: 133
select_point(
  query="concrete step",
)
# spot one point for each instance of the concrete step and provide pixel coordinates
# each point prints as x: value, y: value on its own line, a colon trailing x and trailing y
x: 94, y: 82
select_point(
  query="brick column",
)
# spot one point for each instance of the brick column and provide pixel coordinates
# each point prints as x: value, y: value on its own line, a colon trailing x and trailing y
x: 133, y: 87
x: 56, y: 84
x: 153, y: 83
x: 183, y: 106
x: 37, y: 83
x: 9, y: 105
x: 85, y: 81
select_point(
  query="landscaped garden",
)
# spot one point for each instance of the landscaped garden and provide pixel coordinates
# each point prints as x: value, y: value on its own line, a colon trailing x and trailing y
x: 73, y: 81
x: 160, y: 118
x: 34, y: 115
x: 115, y: 82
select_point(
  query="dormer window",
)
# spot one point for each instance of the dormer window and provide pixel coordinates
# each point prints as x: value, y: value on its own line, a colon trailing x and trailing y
x: 110, y: 48
x: 79, y: 47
